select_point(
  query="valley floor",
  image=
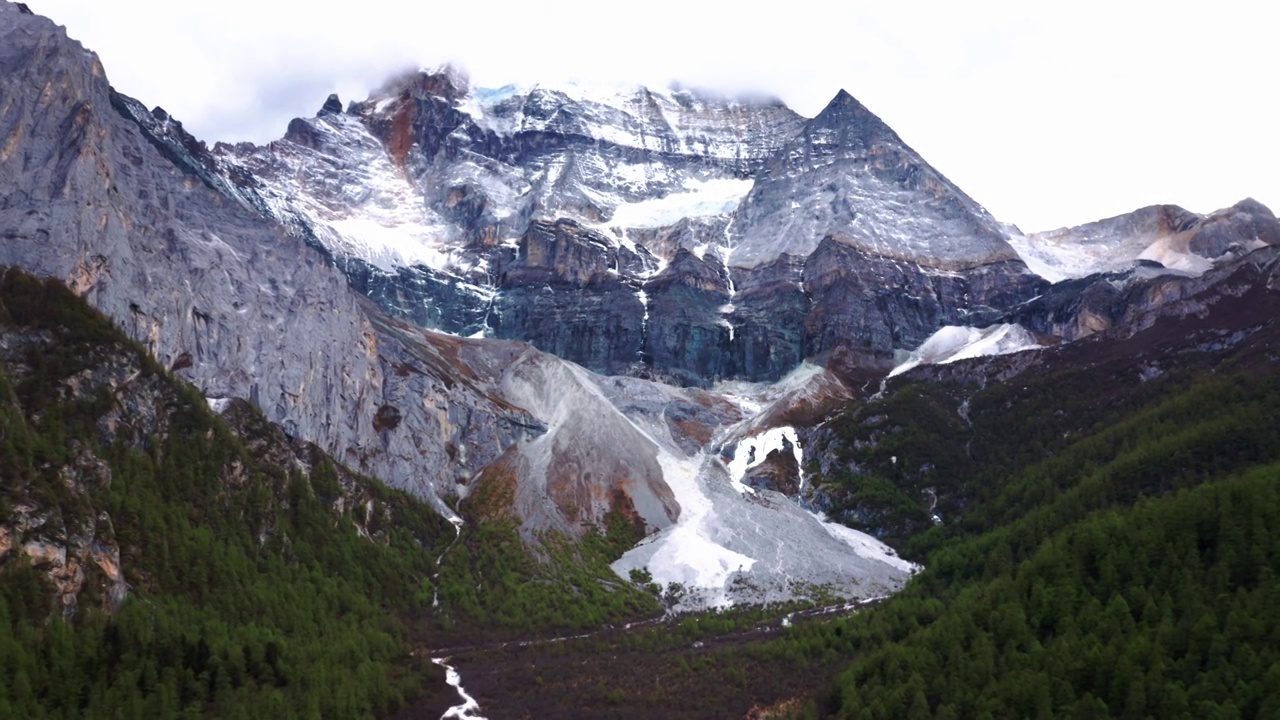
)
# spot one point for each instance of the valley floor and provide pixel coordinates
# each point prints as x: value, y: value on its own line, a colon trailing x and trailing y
x: 740, y: 663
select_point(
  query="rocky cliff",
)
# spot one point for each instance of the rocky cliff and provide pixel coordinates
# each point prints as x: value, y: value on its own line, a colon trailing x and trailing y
x: 1123, y: 269
x: 115, y: 202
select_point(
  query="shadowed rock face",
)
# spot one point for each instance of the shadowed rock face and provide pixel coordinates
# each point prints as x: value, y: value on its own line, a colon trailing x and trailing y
x: 888, y: 303
x: 778, y: 472
x: 564, y: 292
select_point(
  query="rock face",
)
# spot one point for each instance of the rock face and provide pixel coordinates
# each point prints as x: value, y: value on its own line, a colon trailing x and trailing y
x: 676, y: 235
x: 564, y: 286
x: 94, y: 428
x: 118, y: 203
x: 671, y: 234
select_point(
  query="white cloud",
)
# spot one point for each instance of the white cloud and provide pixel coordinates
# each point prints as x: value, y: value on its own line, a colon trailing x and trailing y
x: 1047, y: 116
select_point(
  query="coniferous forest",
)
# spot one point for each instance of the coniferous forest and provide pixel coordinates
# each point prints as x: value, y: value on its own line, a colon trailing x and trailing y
x: 1107, y: 548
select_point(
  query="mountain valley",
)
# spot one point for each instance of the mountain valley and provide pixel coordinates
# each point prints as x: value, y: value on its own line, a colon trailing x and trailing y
x: 616, y: 402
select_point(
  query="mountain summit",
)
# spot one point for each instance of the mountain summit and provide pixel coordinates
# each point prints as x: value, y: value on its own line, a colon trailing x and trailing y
x: 436, y: 199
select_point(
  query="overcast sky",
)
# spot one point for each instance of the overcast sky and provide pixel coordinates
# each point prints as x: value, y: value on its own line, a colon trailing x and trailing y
x: 1048, y: 117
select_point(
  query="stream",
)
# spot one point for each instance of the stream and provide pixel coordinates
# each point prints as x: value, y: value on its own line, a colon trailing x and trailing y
x: 469, y: 709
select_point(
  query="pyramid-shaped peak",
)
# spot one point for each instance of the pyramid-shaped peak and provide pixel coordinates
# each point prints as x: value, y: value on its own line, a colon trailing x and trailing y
x: 851, y: 122
x: 845, y: 107
x: 843, y: 97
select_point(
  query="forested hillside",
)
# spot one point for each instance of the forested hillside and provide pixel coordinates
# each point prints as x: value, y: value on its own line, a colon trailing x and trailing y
x: 1109, y: 537
x: 157, y: 563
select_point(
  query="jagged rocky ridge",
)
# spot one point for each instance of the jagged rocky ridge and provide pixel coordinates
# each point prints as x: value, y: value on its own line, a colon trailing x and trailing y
x: 672, y: 234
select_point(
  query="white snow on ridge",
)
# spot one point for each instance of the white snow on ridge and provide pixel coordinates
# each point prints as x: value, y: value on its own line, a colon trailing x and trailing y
x: 1053, y: 263
x: 668, y: 120
x: 1060, y: 255
x: 386, y: 244
x: 954, y: 342
x: 352, y: 195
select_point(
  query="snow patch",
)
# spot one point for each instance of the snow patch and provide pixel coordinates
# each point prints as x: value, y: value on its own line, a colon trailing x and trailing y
x: 219, y: 405
x: 387, y: 243
x: 1172, y: 254
x: 701, y: 198
x: 1053, y: 263
x: 643, y: 297
x: 688, y: 554
x: 1069, y: 254
x: 955, y: 342
x: 865, y: 545
x: 751, y: 451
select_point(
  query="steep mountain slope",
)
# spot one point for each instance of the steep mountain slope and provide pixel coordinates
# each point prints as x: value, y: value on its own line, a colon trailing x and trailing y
x: 1103, y: 540
x: 468, y: 170
x: 122, y: 205
x: 90, y: 195
x: 194, y: 563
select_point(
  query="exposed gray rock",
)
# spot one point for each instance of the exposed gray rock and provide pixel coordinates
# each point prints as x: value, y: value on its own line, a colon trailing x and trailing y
x: 848, y: 174
x: 879, y: 304
x: 113, y: 201
x: 1157, y: 255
